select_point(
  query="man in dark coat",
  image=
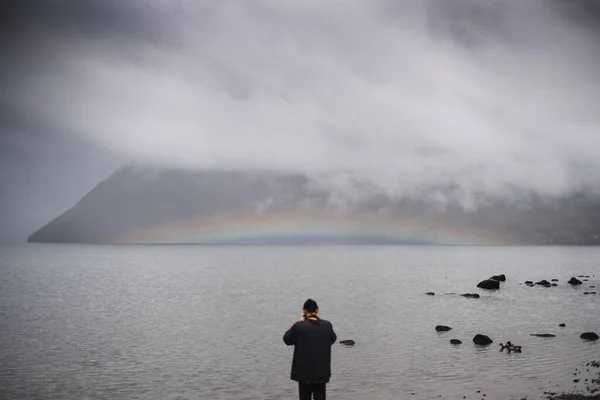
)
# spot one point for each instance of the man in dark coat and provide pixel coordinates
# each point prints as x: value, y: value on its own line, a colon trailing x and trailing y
x: 312, y: 338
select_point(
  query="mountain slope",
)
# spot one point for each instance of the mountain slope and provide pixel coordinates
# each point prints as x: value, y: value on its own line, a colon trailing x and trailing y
x: 150, y: 205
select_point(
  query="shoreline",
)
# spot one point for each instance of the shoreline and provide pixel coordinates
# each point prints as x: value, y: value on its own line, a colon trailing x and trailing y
x: 590, y: 382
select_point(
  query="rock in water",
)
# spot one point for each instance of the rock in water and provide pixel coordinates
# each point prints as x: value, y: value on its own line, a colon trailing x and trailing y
x: 430, y: 294
x: 542, y: 335
x: 442, y: 328
x: 500, y: 278
x: 482, y: 340
x: 543, y: 282
x: 471, y: 295
x: 455, y: 341
x: 489, y: 284
x: 562, y: 325
x: 574, y: 281
x: 589, y: 336
x: 348, y: 342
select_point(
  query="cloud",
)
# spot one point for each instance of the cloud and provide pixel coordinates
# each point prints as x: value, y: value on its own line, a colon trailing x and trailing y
x: 485, y: 96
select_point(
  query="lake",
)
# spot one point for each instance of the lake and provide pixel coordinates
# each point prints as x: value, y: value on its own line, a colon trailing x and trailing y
x: 206, y: 322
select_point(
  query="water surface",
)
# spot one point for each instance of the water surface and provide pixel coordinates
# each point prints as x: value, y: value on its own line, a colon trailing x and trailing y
x: 206, y: 322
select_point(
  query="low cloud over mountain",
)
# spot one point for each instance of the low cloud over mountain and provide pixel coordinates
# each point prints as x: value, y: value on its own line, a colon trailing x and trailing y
x: 155, y: 206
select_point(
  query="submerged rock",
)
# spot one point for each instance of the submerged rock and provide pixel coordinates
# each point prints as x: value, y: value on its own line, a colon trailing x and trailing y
x: 430, y: 294
x: 348, y: 342
x: 554, y: 280
x: 562, y: 325
x: 442, y: 328
x: 500, y: 278
x: 574, y: 281
x: 489, y: 284
x: 543, y: 282
x: 471, y: 295
x: 589, y: 336
x: 482, y: 340
x: 543, y: 335
x: 455, y: 341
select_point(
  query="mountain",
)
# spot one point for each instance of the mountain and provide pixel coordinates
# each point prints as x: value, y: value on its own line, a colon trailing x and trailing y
x: 144, y: 205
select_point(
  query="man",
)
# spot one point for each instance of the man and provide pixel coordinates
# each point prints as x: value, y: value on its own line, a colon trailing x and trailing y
x: 312, y: 338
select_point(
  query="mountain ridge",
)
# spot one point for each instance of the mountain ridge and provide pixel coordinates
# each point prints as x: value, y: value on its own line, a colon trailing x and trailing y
x: 136, y: 200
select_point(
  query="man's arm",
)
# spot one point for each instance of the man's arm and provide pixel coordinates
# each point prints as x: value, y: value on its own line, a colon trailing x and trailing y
x: 289, y: 337
x: 333, y: 335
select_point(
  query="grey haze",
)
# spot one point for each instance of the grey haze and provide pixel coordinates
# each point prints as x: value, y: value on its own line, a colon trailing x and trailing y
x: 493, y: 97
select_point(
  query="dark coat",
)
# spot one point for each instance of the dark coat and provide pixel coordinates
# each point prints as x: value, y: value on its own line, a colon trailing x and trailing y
x: 312, y: 342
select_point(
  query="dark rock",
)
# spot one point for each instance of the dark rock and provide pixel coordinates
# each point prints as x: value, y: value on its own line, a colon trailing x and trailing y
x: 455, y: 341
x: 482, y: 340
x: 586, y: 276
x: 348, y: 342
x: 589, y: 336
x: 574, y: 281
x: 543, y: 283
x: 585, y: 280
x: 500, y: 278
x: 430, y: 294
x: 529, y: 282
x: 442, y: 328
x: 562, y: 325
x: 592, y: 287
x: 554, y: 280
x: 542, y: 335
x: 489, y: 284
x: 471, y: 295
x: 554, y: 284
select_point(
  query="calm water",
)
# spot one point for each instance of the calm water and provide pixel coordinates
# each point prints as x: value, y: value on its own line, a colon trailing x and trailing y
x: 200, y: 322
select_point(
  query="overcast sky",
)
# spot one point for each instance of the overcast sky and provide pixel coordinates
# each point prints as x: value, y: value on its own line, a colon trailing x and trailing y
x: 491, y: 95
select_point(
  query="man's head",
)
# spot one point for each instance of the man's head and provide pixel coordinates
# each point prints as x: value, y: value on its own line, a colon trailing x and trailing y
x: 310, y: 307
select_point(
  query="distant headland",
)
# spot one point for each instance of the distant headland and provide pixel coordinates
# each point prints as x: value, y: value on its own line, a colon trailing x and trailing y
x: 147, y: 205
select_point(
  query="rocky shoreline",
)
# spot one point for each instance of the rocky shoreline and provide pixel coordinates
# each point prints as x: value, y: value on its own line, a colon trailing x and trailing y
x: 586, y: 378
x: 587, y: 375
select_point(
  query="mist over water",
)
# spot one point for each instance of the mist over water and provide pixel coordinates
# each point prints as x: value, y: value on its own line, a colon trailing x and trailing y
x: 196, y: 322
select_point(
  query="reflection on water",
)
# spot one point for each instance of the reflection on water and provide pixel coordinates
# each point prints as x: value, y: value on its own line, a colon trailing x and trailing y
x: 200, y: 322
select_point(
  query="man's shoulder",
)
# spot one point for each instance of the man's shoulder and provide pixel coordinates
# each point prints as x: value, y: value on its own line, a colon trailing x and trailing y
x: 325, y: 322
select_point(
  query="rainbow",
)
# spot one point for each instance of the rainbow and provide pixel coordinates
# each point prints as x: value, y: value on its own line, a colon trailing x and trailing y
x: 313, y: 229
